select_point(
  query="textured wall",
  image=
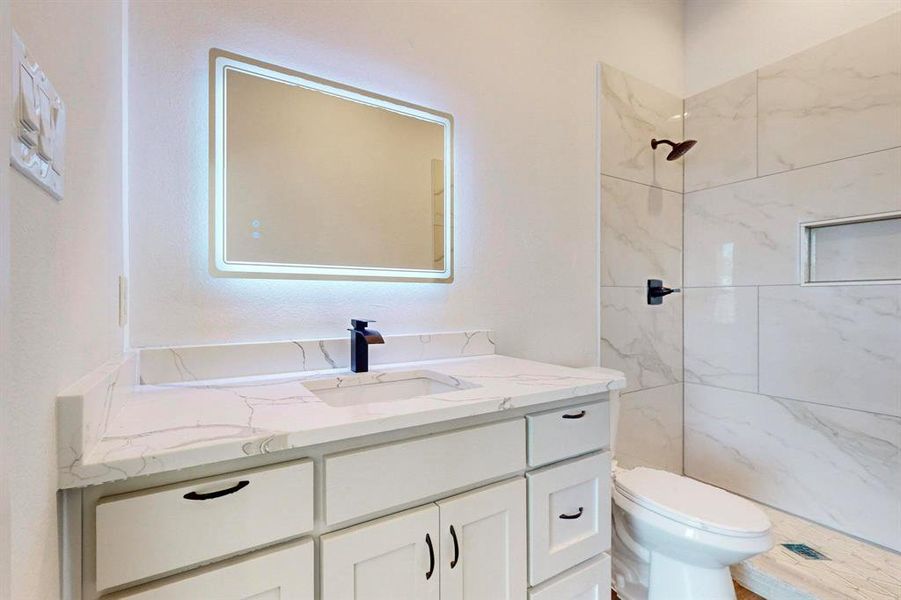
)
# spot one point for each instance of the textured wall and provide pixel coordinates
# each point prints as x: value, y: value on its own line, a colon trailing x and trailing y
x: 520, y: 82
x: 641, y: 239
x: 793, y: 393
x: 65, y: 257
x: 5, y: 316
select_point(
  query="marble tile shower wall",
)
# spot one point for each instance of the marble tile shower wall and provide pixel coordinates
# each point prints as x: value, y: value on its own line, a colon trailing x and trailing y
x: 641, y: 238
x: 793, y: 392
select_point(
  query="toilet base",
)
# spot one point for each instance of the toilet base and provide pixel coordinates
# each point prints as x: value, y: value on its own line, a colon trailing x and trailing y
x: 640, y: 574
x: 671, y: 579
x: 629, y: 571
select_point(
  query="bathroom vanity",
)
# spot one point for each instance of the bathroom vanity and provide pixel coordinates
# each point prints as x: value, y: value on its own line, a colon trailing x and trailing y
x: 483, y: 477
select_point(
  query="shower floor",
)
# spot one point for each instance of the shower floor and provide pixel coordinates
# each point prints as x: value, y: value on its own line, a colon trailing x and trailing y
x: 855, y: 570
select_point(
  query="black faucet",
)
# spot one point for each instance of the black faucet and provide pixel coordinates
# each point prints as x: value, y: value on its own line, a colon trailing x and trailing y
x: 360, y: 338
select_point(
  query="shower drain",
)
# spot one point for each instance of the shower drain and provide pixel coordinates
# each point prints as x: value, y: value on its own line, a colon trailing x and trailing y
x: 805, y: 551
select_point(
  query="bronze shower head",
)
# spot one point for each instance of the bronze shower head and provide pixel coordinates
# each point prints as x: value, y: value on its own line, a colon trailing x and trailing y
x: 679, y: 148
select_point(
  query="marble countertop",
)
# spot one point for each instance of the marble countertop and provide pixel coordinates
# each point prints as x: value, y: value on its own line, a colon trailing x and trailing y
x: 159, y: 428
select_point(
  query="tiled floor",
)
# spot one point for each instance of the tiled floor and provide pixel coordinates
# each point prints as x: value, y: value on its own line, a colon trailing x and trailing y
x: 855, y: 571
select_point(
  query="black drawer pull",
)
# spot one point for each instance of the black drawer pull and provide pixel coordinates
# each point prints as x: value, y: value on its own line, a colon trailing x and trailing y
x: 578, y: 415
x: 456, y: 547
x: 575, y: 516
x: 210, y: 495
x: 428, y: 541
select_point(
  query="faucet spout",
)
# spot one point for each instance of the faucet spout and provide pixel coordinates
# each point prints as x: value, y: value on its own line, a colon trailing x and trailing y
x: 371, y: 336
x: 360, y: 339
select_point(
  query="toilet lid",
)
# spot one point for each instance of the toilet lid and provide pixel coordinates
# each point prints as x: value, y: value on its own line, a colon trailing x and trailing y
x: 691, y: 502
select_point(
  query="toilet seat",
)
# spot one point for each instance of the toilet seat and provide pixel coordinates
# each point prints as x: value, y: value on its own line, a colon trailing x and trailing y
x: 691, y: 502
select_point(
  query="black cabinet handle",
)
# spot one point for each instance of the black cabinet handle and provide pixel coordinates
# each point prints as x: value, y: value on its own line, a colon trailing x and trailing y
x: 211, y: 495
x: 578, y: 415
x: 456, y: 547
x: 575, y: 516
x: 428, y: 541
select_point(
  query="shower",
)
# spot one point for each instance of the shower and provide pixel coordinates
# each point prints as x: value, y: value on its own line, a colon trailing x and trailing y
x: 679, y: 148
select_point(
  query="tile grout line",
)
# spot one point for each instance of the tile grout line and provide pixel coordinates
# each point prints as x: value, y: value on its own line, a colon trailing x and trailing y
x: 648, y: 389
x: 841, y: 284
x: 682, y: 285
x: 758, y: 341
x: 599, y: 199
x: 744, y: 285
x: 765, y: 175
x: 786, y: 398
x: 656, y: 187
x: 757, y: 123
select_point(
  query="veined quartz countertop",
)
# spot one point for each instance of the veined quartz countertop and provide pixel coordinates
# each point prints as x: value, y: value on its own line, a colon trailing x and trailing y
x: 157, y: 428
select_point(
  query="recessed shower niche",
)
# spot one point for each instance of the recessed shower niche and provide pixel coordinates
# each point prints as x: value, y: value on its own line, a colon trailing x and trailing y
x: 863, y: 249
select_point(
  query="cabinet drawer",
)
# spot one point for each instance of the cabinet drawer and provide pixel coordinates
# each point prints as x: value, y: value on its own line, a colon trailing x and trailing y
x: 364, y: 482
x: 569, y: 515
x: 568, y: 432
x: 284, y: 573
x: 589, y: 581
x: 155, y: 531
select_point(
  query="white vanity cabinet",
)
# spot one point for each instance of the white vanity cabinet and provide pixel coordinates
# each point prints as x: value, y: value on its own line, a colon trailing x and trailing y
x: 511, y: 507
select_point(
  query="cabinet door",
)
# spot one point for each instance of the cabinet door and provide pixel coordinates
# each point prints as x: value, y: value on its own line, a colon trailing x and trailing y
x: 281, y: 573
x: 483, y: 543
x: 394, y: 558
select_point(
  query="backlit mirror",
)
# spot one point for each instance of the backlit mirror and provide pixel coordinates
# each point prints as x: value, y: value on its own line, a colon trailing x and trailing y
x: 314, y: 179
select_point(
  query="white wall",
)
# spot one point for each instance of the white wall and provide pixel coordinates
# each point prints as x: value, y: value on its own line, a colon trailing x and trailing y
x: 519, y: 79
x: 64, y: 260
x: 5, y: 318
x: 726, y: 39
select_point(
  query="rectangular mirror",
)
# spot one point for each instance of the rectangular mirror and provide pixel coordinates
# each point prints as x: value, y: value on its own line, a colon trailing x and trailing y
x: 314, y: 179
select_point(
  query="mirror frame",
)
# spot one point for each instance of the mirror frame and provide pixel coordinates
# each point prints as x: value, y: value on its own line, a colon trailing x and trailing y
x: 220, y: 62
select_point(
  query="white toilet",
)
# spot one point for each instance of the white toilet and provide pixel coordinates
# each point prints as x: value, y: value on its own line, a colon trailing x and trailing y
x: 674, y: 538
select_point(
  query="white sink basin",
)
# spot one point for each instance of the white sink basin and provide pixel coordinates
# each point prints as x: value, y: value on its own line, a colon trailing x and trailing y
x: 366, y: 388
